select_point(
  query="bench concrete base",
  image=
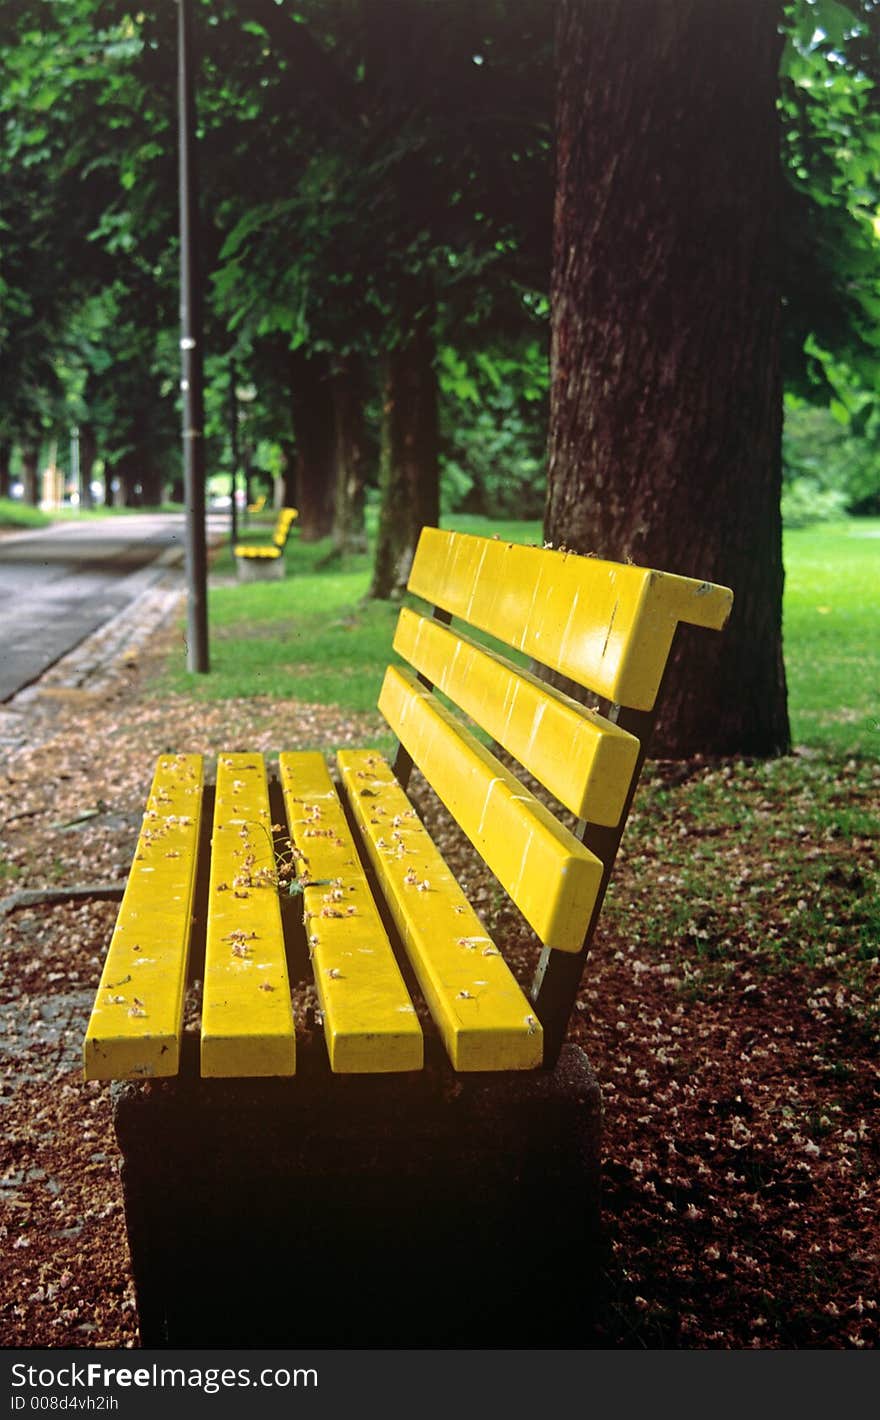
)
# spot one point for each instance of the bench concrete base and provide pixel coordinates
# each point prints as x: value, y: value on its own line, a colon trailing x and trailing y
x: 420, y: 1210
x: 260, y: 569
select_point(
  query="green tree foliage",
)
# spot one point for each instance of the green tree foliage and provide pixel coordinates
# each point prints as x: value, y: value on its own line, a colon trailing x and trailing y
x: 830, y: 106
x: 393, y: 142
x: 493, y: 423
x: 85, y: 233
x: 827, y: 469
x: 349, y: 148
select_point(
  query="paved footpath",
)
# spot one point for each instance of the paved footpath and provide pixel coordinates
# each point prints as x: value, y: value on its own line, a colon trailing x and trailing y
x: 95, y: 664
x: 158, y: 593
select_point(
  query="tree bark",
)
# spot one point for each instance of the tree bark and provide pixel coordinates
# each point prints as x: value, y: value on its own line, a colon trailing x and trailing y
x: 127, y: 471
x: 88, y: 453
x: 349, y: 531
x: 30, y: 459
x: 288, y: 473
x: 313, y: 425
x: 5, y: 476
x: 409, y: 478
x: 666, y: 411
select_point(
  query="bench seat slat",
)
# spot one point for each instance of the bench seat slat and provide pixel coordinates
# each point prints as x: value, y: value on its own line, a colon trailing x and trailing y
x: 484, y: 1019
x: 581, y: 757
x: 553, y: 879
x: 605, y: 625
x: 135, y: 1026
x: 247, y: 1018
x: 370, y: 1022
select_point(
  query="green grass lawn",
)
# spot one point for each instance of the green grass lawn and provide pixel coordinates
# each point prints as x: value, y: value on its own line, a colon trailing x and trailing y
x: 68, y: 514
x: 15, y: 514
x: 19, y: 515
x: 832, y: 635
x: 313, y: 637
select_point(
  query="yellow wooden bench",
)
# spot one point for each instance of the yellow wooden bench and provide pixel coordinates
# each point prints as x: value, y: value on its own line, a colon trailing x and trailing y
x: 414, y: 993
x: 266, y: 559
x: 258, y: 504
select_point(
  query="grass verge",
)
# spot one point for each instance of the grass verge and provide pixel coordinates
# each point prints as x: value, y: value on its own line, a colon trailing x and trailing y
x: 21, y: 515
x: 832, y: 635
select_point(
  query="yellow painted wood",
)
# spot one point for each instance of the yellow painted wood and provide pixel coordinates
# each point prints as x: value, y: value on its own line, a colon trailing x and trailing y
x: 605, y: 625
x: 135, y: 1027
x: 280, y: 534
x: 370, y: 1023
x: 286, y: 518
x: 553, y: 879
x: 582, y: 758
x: 247, y: 1019
x: 485, y: 1021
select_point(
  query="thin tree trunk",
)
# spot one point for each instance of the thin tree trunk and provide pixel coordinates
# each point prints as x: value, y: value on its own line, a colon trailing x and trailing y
x: 5, y: 476
x: 234, y: 456
x: 30, y: 458
x: 288, y: 473
x: 349, y: 531
x: 128, y: 476
x: 312, y: 408
x: 408, y: 474
x: 665, y: 425
x: 88, y: 453
x: 117, y: 491
x: 151, y: 484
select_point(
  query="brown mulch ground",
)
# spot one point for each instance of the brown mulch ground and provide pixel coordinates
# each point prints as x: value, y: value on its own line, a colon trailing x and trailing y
x: 740, y: 1179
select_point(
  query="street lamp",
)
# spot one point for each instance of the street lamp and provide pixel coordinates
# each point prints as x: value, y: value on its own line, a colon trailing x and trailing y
x: 191, y: 356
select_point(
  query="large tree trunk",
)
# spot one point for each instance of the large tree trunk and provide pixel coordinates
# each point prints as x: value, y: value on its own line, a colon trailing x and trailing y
x: 313, y: 426
x: 409, y: 477
x: 665, y: 425
x: 30, y: 458
x: 349, y: 531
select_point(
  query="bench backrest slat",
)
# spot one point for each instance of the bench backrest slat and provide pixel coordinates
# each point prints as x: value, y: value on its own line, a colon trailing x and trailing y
x: 581, y: 757
x: 550, y: 876
x: 283, y: 523
x: 605, y: 625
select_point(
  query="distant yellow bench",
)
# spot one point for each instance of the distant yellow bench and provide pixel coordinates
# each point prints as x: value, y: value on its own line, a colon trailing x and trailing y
x: 255, y: 560
x: 258, y: 504
x: 378, y: 1184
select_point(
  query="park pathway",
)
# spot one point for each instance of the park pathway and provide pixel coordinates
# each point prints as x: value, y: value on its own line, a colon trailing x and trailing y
x: 59, y: 585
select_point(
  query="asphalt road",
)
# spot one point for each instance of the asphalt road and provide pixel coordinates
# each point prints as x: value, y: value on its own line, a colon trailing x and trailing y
x: 59, y: 584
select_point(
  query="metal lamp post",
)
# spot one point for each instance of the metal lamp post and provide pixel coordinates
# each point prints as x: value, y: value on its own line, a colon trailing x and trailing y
x: 191, y: 362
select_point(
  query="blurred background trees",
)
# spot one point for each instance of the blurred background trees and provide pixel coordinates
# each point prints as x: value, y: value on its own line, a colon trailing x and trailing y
x: 377, y: 197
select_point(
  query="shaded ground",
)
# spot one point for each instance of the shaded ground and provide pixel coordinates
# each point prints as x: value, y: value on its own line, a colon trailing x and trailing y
x: 730, y: 1013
